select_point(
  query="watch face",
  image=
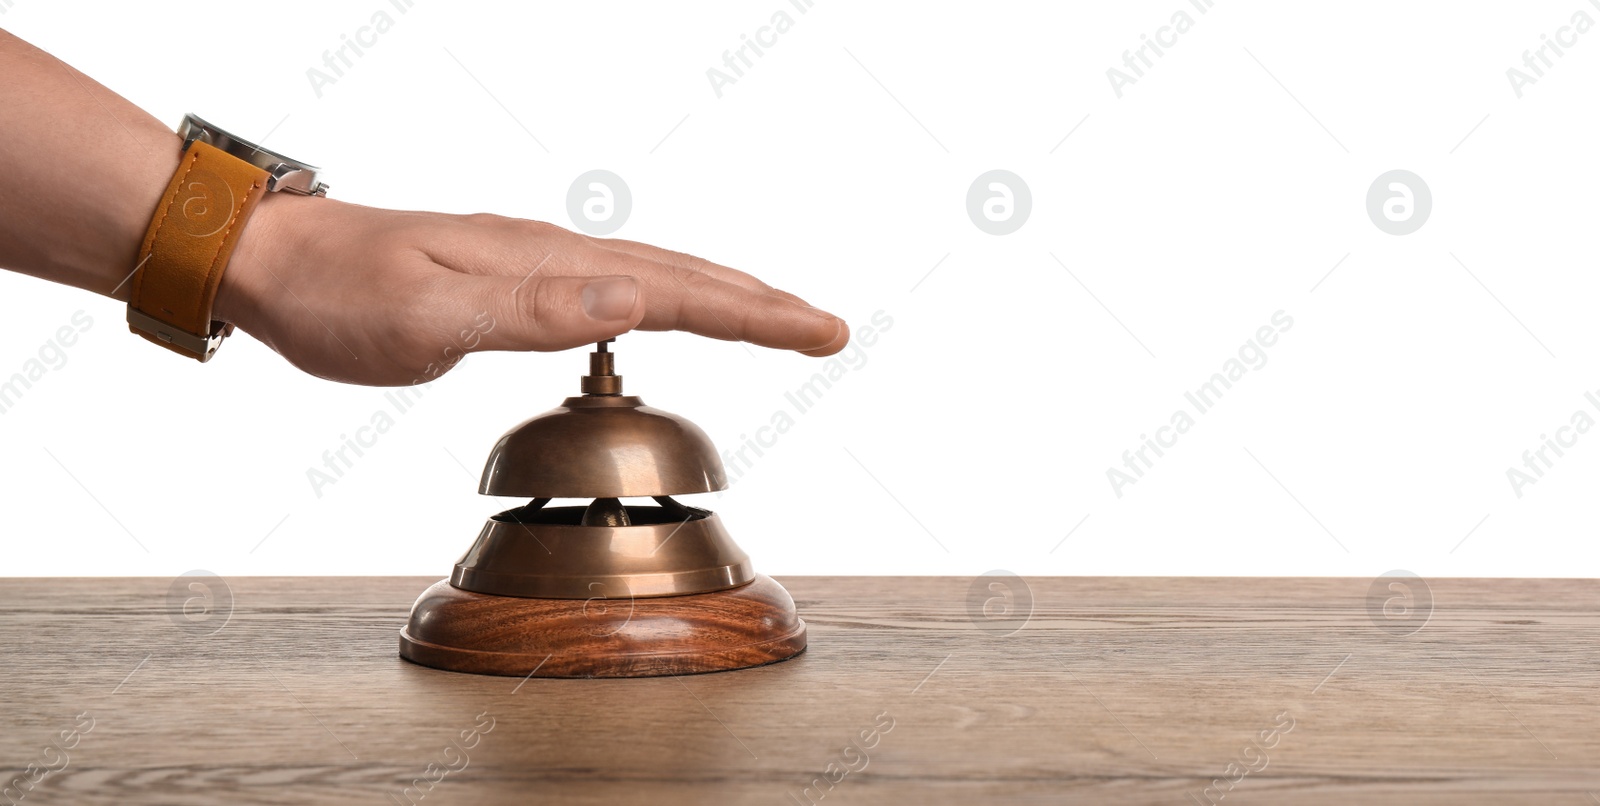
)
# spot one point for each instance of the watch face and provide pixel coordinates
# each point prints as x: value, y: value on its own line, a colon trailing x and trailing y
x: 284, y: 173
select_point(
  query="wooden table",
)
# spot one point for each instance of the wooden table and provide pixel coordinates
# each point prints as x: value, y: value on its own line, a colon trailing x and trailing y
x: 1125, y: 690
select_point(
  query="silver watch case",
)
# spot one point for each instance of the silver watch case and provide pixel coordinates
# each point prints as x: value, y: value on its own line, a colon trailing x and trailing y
x: 283, y: 173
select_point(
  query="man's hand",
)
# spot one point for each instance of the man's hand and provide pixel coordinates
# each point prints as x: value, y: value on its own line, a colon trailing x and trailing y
x: 390, y: 298
x: 350, y: 293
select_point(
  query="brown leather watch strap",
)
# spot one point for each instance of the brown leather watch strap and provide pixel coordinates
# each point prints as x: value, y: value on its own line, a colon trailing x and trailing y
x: 187, y: 248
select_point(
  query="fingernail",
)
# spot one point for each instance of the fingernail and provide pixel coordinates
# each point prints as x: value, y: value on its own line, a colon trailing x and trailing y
x: 820, y: 314
x: 838, y: 329
x: 610, y: 299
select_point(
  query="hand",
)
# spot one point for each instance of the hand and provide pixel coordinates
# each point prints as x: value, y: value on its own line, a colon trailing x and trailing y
x: 391, y: 298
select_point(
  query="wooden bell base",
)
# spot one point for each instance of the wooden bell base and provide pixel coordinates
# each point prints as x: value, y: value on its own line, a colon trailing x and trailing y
x: 477, y: 633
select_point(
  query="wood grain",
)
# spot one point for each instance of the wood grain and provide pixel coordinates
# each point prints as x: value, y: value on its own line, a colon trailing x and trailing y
x: 1132, y: 690
x: 461, y: 631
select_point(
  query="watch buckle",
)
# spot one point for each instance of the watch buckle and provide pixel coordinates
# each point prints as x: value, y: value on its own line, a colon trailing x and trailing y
x: 201, y: 347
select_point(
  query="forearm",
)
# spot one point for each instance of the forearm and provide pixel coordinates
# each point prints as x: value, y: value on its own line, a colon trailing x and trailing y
x: 81, y: 173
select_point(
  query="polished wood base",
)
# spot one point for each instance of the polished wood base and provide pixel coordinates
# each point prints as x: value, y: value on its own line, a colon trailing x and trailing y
x: 462, y: 631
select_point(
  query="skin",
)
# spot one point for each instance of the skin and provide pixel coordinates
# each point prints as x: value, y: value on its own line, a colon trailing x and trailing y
x: 345, y: 292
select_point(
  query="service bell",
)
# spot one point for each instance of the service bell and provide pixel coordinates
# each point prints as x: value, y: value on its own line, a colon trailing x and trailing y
x: 603, y: 588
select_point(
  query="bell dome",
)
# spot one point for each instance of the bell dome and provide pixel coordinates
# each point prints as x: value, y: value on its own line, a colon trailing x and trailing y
x: 603, y: 446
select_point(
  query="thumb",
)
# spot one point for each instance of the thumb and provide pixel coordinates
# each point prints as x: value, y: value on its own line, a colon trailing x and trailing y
x: 556, y: 313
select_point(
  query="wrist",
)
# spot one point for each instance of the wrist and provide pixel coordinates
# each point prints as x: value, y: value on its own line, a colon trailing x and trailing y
x: 145, y: 182
x: 248, y: 278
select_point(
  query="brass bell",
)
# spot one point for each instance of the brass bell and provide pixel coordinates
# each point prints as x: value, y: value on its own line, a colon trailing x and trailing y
x: 603, y: 589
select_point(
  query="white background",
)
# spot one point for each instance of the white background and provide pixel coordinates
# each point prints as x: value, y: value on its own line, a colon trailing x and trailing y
x: 1377, y: 436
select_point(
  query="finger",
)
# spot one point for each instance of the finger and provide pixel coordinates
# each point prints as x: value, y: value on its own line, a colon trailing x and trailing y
x: 680, y: 299
x: 681, y: 260
x: 675, y: 298
x: 549, y: 313
x: 496, y: 245
x: 726, y: 274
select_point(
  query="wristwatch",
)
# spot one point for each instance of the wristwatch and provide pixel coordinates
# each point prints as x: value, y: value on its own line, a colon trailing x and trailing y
x: 194, y: 230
